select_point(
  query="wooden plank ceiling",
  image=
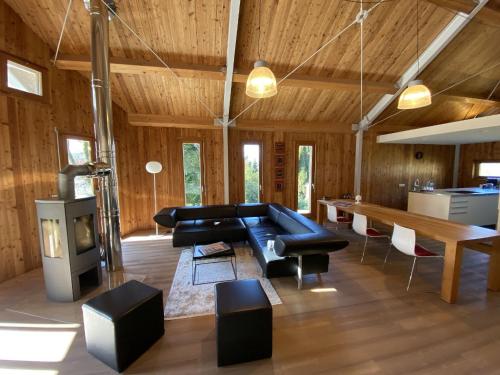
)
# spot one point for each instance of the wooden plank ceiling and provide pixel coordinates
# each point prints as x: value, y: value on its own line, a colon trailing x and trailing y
x: 473, y: 50
x: 192, y: 35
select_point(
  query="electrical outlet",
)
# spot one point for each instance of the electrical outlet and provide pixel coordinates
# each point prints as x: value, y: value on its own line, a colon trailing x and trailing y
x: 402, y: 185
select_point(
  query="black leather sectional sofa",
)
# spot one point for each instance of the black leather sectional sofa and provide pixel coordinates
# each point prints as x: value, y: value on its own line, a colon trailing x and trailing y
x: 298, y: 240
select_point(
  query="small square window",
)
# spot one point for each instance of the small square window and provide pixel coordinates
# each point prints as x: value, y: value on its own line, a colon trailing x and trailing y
x: 23, y: 78
x: 488, y: 169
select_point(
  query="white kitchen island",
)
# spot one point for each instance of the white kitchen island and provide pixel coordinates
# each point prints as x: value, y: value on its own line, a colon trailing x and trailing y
x: 473, y: 206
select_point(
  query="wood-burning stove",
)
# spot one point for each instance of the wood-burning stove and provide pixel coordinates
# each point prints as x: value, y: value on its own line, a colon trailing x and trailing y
x: 70, y: 246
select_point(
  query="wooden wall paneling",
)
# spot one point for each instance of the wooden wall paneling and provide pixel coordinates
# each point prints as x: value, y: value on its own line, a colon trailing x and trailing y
x: 334, y: 164
x: 475, y: 152
x: 11, y: 246
x: 137, y: 146
x: 385, y: 166
x: 29, y: 154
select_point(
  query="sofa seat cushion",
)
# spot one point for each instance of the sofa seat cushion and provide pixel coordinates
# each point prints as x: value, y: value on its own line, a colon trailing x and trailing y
x: 262, y: 234
x: 189, y: 232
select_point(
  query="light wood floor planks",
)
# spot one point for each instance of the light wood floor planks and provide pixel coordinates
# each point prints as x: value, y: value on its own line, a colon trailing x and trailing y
x: 366, y: 323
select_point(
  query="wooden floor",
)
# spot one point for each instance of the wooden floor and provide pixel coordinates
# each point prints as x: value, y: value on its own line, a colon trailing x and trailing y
x: 363, y: 321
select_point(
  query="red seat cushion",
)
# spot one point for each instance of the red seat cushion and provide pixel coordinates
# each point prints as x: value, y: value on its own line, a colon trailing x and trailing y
x: 421, y: 251
x: 371, y: 232
x: 342, y: 219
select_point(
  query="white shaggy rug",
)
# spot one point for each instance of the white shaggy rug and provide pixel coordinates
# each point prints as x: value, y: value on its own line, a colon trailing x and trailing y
x: 186, y: 300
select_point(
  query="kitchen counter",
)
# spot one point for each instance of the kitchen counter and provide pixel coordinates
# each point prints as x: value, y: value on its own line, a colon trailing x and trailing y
x: 474, y: 206
x: 461, y: 191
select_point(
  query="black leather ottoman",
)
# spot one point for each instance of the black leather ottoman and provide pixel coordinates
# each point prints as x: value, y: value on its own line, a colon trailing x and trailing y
x: 123, y: 323
x: 244, y: 322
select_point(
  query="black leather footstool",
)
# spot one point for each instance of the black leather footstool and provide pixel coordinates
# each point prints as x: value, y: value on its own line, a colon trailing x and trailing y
x: 244, y: 321
x: 123, y: 323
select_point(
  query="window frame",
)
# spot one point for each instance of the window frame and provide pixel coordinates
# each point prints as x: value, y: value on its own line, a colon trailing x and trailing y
x: 202, y: 166
x: 312, y: 212
x: 44, y: 98
x: 261, y: 168
x: 63, y: 146
x: 63, y: 152
x: 475, y: 169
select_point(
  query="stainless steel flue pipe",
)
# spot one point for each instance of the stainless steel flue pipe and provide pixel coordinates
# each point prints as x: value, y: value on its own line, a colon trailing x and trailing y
x: 103, y: 128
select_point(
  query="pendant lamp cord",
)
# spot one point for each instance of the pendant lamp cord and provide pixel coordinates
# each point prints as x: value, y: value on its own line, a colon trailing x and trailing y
x: 258, y: 40
x: 361, y: 63
x: 418, y: 58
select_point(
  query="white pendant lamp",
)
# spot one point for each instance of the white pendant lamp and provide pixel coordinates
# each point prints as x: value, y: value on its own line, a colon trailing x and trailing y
x: 261, y: 82
x: 416, y: 95
x: 154, y: 167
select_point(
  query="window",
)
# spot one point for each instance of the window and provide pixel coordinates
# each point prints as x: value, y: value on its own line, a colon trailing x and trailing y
x: 305, y: 178
x: 23, y: 78
x: 252, y: 175
x: 193, y: 188
x: 488, y: 169
x: 79, y: 151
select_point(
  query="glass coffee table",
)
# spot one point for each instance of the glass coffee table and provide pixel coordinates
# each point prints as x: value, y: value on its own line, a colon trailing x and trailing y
x: 199, y: 259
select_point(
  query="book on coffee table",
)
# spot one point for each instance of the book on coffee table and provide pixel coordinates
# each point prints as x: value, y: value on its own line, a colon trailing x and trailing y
x: 213, y: 248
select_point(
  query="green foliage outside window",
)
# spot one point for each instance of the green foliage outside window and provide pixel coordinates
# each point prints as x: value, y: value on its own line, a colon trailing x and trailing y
x: 304, y: 179
x: 192, y: 173
x: 252, y: 173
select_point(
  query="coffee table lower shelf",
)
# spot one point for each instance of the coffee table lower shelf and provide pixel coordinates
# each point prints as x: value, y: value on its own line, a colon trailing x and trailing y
x: 199, y: 259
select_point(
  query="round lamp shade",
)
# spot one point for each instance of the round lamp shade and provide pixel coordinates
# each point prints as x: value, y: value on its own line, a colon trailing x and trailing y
x: 416, y: 95
x: 154, y: 167
x: 261, y: 82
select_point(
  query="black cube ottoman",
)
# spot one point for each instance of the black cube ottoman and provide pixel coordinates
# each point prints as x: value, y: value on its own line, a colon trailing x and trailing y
x: 123, y: 323
x: 244, y: 322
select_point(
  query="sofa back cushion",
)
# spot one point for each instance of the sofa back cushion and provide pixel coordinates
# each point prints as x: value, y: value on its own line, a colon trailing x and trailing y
x: 291, y: 225
x: 273, y: 212
x: 251, y: 209
x: 205, y: 212
x: 308, y: 223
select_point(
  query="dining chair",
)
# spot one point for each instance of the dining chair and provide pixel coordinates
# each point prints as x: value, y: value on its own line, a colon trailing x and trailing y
x: 334, y: 217
x: 360, y: 226
x: 404, y: 240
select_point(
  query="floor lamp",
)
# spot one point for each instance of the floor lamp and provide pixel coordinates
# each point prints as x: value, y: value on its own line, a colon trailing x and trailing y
x: 154, y: 167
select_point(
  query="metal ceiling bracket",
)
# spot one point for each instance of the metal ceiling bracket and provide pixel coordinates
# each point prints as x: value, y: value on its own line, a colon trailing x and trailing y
x: 361, y: 16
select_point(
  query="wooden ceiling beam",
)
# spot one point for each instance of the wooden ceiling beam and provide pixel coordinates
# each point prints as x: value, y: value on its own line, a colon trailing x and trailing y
x: 167, y: 121
x: 470, y: 100
x: 490, y: 13
x: 132, y: 66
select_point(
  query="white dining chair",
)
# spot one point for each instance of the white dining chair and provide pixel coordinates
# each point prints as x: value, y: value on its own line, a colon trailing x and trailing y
x: 404, y: 240
x: 334, y: 217
x: 360, y: 226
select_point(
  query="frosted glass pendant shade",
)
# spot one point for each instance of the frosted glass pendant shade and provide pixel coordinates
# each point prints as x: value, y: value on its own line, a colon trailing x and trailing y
x: 416, y: 95
x: 261, y: 82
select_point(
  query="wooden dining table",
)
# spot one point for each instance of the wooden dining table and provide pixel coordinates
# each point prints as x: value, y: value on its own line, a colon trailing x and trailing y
x: 456, y: 237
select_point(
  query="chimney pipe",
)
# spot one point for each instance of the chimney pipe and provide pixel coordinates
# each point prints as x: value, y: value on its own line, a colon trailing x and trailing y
x: 103, y: 128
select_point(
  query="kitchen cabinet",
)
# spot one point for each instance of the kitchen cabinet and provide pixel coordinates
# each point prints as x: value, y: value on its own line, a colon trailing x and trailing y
x: 467, y: 205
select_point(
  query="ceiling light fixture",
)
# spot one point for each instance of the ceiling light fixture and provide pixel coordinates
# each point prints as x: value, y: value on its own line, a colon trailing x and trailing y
x: 416, y: 95
x: 261, y: 82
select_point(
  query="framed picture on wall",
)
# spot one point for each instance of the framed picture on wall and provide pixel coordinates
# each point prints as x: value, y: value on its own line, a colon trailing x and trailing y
x: 279, y: 148
x: 279, y: 161
x: 278, y: 186
x: 279, y: 173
